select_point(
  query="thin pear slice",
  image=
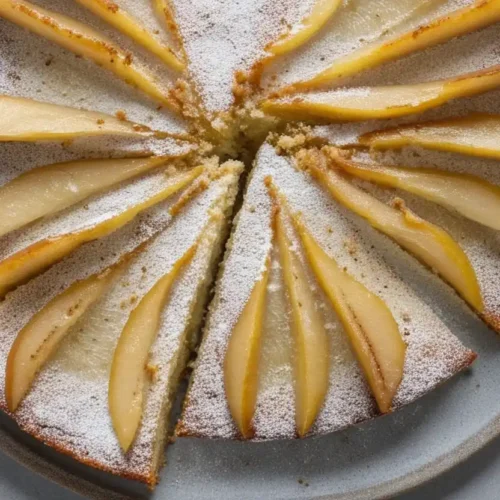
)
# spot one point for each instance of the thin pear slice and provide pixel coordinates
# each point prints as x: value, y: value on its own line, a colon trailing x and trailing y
x: 124, y: 22
x: 312, y: 357
x: 480, y: 14
x: 466, y: 194
x: 390, y: 101
x: 39, y: 339
x: 22, y: 265
x: 368, y: 322
x: 48, y: 189
x: 129, y: 374
x: 321, y: 12
x: 429, y: 243
x: 474, y: 135
x: 83, y: 41
x: 29, y: 120
x: 241, y: 364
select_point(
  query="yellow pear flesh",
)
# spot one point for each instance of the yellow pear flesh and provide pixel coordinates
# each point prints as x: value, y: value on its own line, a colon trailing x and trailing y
x: 474, y: 135
x: 312, y: 358
x: 30, y: 261
x: 40, y: 338
x: 129, y: 374
x: 48, y: 189
x: 390, y: 101
x: 429, y: 243
x: 241, y: 364
x: 321, y: 12
x: 466, y: 194
x: 368, y: 322
x: 83, y: 41
x: 124, y: 22
x: 480, y: 14
x: 28, y: 120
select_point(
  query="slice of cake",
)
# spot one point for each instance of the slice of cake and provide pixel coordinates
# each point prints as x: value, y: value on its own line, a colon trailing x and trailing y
x: 64, y: 402
x: 372, y: 320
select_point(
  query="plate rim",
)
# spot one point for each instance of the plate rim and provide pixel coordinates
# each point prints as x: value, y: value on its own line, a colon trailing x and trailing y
x: 45, y: 467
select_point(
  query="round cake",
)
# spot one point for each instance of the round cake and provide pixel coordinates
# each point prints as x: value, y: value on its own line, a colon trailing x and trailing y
x: 249, y: 195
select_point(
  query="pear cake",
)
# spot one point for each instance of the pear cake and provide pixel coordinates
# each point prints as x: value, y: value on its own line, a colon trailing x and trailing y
x: 309, y: 162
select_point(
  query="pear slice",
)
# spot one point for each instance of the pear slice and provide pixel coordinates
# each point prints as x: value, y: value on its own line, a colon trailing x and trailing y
x: 29, y: 120
x: 474, y: 135
x: 312, y: 357
x: 39, y: 339
x: 124, y: 22
x: 480, y: 14
x: 321, y: 12
x: 390, y: 101
x: 83, y: 41
x: 368, y: 322
x: 429, y: 243
x: 48, y: 189
x: 22, y: 265
x: 129, y: 373
x: 241, y: 364
x: 466, y: 194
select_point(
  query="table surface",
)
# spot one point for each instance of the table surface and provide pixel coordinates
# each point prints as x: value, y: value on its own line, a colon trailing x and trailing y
x: 478, y: 477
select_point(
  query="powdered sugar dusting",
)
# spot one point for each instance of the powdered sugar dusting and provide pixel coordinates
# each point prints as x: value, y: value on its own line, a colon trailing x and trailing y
x: 79, y: 420
x: 88, y: 213
x: 225, y: 36
x: 33, y: 67
x: 434, y: 354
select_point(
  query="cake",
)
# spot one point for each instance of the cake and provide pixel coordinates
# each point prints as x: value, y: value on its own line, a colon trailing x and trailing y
x: 306, y: 161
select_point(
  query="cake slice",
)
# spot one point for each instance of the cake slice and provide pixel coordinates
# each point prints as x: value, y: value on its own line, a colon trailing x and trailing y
x: 66, y: 405
x: 433, y: 354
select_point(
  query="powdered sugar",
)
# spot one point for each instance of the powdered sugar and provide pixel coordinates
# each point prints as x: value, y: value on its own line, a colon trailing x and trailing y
x: 434, y: 354
x: 79, y: 420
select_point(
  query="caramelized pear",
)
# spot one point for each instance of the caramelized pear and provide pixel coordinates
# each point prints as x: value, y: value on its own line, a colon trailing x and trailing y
x: 32, y: 260
x: 480, y: 14
x: 391, y: 101
x: 48, y: 189
x: 40, y: 338
x: 29, y: 120
x: 321, y: 12
x: 312, y: 358
x: 466, y: 194
x: 83, y: 41
x: 241, y: 364
x: 372, y: 330
x: 474, y: 135
x: 124, y: 22
x: 129, y: 370
x: 429, y: 243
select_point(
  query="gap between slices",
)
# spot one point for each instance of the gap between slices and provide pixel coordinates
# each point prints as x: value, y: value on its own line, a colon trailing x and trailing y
x: 85, y: 42
x: 40, y: 338
x: 460, y: 22
x: 26, y: 263
x: 46, y: 190
x: 474, y: 135
x: 312, y: 356
x: 30, y: 120
x: 391, y: 101
x: 455, y: 191
x: 370, y: 326
x: 241, y: 362
x: 130, y: 370
x: 296, y: 36
x: 429, y: 243
x: 124, y: 22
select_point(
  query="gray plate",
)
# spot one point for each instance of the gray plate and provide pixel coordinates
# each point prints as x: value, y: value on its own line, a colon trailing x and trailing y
x: 381, y: 458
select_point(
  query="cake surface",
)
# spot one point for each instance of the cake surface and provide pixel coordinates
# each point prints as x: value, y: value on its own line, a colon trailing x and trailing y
x: 376, y: 97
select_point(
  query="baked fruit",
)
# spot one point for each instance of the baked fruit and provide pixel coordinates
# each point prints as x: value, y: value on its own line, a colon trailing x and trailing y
x: 357, y: 141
